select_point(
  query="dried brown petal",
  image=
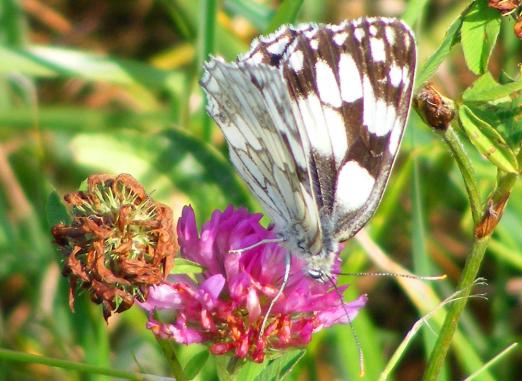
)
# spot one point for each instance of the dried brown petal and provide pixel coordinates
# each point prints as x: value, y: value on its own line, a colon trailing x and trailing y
x: 491, y: 217
x: 433, y: 108
x: 120, y: 242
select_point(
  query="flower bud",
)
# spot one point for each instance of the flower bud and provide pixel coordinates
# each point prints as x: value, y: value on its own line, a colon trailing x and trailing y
x: 434, y: 109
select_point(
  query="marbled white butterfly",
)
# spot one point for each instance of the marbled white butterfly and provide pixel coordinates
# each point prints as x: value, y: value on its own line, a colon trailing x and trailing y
x: 313, y: 116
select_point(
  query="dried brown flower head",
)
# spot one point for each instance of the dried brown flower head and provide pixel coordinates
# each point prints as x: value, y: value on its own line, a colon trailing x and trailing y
x: 436, y: 111
x: 119, y: 243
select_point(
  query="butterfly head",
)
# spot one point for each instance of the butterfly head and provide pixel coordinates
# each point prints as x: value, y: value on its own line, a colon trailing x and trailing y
x: 319, y: 267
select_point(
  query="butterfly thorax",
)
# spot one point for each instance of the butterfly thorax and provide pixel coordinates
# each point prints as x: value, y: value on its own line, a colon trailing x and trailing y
x: 318, y: 250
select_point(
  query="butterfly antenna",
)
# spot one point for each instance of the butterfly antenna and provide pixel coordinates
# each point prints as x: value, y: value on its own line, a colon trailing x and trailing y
x: 278, y: 295
x: 354, y: 334
x: 396, y: 275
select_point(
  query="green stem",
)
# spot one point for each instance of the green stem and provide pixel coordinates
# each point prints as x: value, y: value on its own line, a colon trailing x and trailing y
x: 471, y: 268
x: 466, y: 169
x: 170, y: 353
x: 9, y: 355
x: 438, y: 355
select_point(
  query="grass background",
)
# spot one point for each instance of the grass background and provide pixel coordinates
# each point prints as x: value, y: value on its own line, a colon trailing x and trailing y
x: 111, y: 86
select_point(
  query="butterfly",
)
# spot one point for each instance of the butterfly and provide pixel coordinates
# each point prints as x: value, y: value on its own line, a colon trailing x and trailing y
x: 313, y: 116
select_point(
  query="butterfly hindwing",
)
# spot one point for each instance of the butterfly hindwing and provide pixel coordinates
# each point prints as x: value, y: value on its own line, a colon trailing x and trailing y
x: 247, y: 102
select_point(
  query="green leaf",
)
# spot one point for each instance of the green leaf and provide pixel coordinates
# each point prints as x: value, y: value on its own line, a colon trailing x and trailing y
x: 195, y: 364
x: 285, y: 14
x: 488, y: 141
x: 433, y: 62
x: 485, y: 88
x: 56, y: 210
x: 41, y: 61
x: 479, y: 33
x: 184, y: 266
x: 279, y: 368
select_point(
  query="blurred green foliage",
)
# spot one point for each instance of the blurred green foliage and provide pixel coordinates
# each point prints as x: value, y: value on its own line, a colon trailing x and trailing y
x: 96, y: 86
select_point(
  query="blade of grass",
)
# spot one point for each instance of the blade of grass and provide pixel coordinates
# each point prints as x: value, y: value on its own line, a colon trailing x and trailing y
x: 11, y: 23
x: 421, y: 263
x: 285, y: 14
x: 9, y: 355
x: 257, y: 13
x: 43, y: 61
x: 491, y: 362
x: 206, y: 37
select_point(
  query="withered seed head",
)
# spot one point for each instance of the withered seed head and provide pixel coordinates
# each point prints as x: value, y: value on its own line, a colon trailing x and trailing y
x: 436, y: 111
x: 119, y: 243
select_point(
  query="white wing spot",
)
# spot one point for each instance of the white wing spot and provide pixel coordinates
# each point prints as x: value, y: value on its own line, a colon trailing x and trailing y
x: 340, y: 38
x: 378, y: 50
x: 278, y: 47
x: 354, y: 186
x: 327, y: 85
x: 390, y: 35
x: 395, y: 138
x: 373, y: 30
x: 296, y: 60
x: 351, y: 87
x: 406, y: 76
x: 314, y: 44
x: 310, y: 33
x: 395, y: 75
x: 256, y: 58
x: 359, y: 34
x: 337, y: 133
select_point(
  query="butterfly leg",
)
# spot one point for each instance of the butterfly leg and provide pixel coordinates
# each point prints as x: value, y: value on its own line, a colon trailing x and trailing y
x: 262, y: 242
x: 278, y: 295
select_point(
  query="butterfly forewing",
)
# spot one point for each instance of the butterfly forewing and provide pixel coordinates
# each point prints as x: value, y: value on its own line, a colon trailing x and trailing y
x: 313, y: 116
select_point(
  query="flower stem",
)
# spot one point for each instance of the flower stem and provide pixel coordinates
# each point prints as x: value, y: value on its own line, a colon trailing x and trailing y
x: 170, y: 354
x: 466, y: 169
x: 504, y: 185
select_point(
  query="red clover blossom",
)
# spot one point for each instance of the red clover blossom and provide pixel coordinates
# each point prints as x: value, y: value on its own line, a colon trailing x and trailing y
x: 225, y: 305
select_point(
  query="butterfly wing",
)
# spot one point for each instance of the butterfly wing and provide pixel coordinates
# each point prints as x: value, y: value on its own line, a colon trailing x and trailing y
x: 350, y: 87
x: 249, y: 103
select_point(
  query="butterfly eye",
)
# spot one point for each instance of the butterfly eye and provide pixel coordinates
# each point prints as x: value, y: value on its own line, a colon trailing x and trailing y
x: 316, y: 274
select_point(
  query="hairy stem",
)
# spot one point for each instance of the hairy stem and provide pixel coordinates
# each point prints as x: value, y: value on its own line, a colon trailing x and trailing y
x: 466, y: 169
x: 438, y: 355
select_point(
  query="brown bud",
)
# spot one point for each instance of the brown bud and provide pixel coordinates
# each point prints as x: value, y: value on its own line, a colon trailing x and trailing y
x: 518, y: 28
x: 119, y: 243
x: 504, y: 6
x: 434, y: 109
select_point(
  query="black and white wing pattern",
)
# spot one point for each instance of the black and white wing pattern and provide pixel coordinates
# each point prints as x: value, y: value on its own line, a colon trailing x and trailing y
x: 313, y: 116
